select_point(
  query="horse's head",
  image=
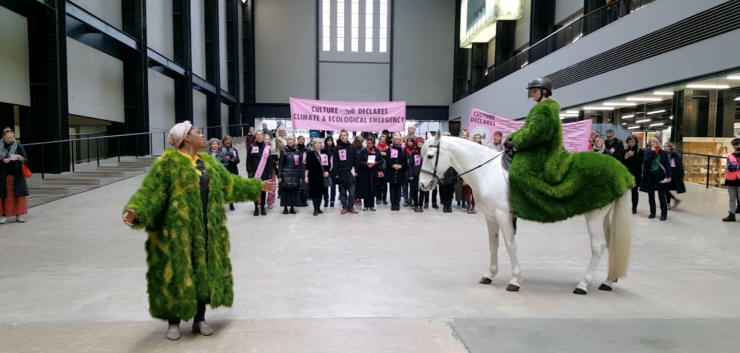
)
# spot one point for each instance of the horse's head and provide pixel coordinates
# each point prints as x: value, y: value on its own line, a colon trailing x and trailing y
x: 434, y: 163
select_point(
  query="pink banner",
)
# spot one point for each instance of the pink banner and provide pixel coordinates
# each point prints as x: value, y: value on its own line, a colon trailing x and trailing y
x: 575, y: 135
x: 351, y: 116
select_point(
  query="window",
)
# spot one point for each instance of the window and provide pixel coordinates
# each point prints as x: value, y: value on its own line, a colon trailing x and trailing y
x: 340, y: 25
x: 355, y: 26
x: 369, y: 26
x: 383, y: 36
x: 326, y: 25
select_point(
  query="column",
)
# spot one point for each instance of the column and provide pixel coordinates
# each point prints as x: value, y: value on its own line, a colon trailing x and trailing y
x: 181, y: 17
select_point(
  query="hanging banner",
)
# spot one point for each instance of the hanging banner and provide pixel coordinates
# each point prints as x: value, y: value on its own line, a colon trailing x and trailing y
x: 351, y: 116
x: 575, y: 135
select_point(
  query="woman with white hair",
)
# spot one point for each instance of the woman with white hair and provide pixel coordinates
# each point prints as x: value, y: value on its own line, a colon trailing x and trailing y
x: 181, y: 206
x: 290, y: 176
x: 317, y: 175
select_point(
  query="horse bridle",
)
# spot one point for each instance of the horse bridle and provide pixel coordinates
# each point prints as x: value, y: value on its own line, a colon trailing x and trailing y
x: 444, y: 181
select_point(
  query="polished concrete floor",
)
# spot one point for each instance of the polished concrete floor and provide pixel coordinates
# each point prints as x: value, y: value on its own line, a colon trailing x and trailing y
x: 72, y: 280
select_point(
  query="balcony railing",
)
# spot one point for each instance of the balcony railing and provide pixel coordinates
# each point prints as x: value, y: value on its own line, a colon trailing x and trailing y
x: 568, y: 34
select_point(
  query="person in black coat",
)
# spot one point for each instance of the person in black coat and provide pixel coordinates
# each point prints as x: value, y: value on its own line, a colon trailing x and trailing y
x: 256, y: 163
x: 343, y: 172
x: 447, y: 191
x: 317, y: 175
x: 614, y: 147
x: 632, y: 159
x: 331, y: 191
x: 302, y: 148
x: 12, y: 159
x: 369, y: 163
x: 656, y: 177
x: 229, y: 157
x: 415, y: 160
x: 290, y: 174
x: 677, y: 170
x: 397, y: 171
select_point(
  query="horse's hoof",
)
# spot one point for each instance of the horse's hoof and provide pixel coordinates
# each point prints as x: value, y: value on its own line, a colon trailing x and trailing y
x: 605, y: 287
x: 485, y: 280
x: 579, y: 291
x: 512, y: 288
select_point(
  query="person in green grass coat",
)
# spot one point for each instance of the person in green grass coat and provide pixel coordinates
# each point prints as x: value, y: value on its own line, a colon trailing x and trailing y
x: 181, y: 206
x: 549, y: 184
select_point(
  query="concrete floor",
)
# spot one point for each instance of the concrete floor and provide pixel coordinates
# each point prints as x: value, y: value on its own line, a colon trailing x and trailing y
x: 72, y: 280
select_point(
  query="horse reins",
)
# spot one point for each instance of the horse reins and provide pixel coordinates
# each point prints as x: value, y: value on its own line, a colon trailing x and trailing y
x: 443, y: 181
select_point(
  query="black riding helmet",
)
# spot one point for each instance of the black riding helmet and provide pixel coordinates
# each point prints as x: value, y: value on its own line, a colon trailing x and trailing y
x: 540, y: 82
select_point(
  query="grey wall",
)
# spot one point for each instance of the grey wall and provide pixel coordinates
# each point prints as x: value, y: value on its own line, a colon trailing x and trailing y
x: 285, y: 32
x: 566, y: 8
x: 108, y: 10
x: 508, y: 98
x: 423, y: 51
x: 198, y: 37
x: 354, y: 82
x: 14, y: 79
x: 522, y: 26
x: 159, y: 32
x: 94, y: 83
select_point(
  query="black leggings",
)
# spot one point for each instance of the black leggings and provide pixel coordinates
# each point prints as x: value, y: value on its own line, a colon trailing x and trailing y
x: 414, y: 190
x: 316, y: 203
x: 395, y: 189
x: 635, y: 196
x: 263, y: 197
x: 199, y: 316
x: 383, y: 193
x: 434, y: 196
x: 446, y: 193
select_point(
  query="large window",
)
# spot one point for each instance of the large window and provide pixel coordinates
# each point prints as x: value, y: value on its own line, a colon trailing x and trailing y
x: 355, y: 23
x: 340, y: 25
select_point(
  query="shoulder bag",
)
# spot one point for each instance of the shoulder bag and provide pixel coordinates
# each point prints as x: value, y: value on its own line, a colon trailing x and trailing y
x: 327, y: 180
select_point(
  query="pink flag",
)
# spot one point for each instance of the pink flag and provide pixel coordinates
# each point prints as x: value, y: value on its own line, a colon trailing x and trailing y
x: 575, y: 135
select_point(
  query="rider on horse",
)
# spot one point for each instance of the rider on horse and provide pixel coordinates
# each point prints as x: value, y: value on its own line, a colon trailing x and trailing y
x: 549, y: 184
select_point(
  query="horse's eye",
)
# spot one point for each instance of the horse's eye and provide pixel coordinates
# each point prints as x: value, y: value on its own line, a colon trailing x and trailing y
x: 430, y: 157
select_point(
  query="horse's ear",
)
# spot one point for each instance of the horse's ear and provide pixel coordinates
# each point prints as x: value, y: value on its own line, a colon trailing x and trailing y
x: 438, y: 136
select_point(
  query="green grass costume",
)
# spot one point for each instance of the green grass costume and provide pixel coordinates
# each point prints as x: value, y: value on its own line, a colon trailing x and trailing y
x: 182, y: 268
x: 549, y: 184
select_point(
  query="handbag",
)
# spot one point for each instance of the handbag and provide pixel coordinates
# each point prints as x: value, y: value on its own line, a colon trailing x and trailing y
x: 26, y: 172
x: 327, y: 180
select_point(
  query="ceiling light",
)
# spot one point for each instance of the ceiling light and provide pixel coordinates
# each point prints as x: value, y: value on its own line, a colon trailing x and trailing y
x: 663, y: 93
x: 733, y: 77
x: 657, y: 124
x: 737, y: 99
x: 644, y: 99
x: 656, y: 112
x: 571, y: 111
x: 708, y: 86
x: 628, y: 116
x: 598, y: 108
x: 642, y: 121
x: 671, y: 117
x: 633, y: 127
x: 620, y: 104
x: 569, y: 115
x: 624, y: 123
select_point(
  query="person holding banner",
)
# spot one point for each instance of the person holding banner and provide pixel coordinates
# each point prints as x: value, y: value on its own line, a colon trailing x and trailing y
x: 497, y: 144
x: 370, y: 166
x: 180, y: 204
x: 344, y: 172
x: 397, y: 171
x: 260, y: 166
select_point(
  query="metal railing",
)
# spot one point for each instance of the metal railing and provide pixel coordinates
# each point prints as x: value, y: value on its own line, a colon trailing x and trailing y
x: 704, y: 169
x: 97, y: 148
x: 568, y: 34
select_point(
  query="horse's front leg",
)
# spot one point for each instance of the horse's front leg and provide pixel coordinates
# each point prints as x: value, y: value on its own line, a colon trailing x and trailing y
x: 506, y: 223
x: 596, y: 222
x: 493, y: 230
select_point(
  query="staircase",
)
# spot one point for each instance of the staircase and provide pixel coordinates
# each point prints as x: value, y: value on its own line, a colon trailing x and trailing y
x: 86, y: 177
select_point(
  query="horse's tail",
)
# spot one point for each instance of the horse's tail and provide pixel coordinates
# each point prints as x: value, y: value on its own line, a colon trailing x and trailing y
x: 619, y: 240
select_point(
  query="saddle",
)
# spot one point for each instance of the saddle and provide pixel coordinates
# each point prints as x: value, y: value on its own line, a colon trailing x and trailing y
x: 507, y: 158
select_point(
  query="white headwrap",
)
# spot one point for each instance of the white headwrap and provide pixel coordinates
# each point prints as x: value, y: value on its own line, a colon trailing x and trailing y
x: 178, y: 133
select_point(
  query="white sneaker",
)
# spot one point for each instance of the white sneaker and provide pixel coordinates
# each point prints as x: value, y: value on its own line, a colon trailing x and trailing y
x: 202, y: 328
x: 3, y: 219
x: 173, y: 332
x: 20, y: 219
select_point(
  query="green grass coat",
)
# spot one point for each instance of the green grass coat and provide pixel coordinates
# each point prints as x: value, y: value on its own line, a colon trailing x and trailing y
x: 169, y: 207
x: 549, y: 184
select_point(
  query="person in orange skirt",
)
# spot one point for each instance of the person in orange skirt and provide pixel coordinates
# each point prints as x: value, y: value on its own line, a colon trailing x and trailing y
x: 13, y: 187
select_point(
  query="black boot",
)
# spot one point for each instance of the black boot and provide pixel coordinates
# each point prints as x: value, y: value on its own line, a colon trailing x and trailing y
x: 256, y: 210
x: 292, y: 210
x: 435, y: 206
x: 231, y: 206
x: 634, y: 210
x: 262, y: 211
x: 730, y: 218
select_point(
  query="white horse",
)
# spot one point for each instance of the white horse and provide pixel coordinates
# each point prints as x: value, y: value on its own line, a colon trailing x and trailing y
x: 609, y: 227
